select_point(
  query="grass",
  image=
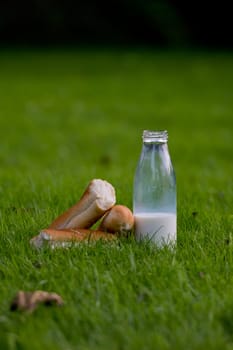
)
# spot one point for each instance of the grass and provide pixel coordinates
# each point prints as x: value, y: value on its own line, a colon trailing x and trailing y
x: 68, y: 117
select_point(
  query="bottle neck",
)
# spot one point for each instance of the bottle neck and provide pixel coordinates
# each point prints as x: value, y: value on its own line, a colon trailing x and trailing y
x: 157, y: 137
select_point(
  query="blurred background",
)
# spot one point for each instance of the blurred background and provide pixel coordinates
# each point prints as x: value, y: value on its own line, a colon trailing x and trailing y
x: 139, y: 22
x: 80, y: 80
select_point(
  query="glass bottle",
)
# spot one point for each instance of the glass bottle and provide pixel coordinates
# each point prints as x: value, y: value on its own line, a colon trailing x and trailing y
x: 154, y: 197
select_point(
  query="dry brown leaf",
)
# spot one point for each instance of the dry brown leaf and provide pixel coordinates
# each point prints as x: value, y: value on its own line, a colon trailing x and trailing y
x: 28, y: 301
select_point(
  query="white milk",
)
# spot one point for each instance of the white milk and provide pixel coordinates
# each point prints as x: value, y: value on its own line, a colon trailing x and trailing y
x: 159, y: 227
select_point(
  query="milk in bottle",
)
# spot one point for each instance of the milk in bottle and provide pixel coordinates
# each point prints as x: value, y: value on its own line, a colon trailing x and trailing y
x: 154, y: 197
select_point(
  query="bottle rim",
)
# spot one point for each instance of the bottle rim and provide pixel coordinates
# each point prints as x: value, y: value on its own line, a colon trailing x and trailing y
x: 160, y: 136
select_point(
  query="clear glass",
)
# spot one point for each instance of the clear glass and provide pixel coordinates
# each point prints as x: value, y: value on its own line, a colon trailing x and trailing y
x: 154, y: 198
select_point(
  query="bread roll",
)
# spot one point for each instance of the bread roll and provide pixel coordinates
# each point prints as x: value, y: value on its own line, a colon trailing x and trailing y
x: 95, y: 201
x: 54, y: 237
x: 118, y: 219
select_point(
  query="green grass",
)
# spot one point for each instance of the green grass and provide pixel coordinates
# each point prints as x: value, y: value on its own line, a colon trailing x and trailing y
x: 68, y: 117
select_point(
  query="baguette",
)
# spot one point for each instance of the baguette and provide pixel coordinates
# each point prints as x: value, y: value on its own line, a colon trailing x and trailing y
x: 118, y: 219
x: 64, y: 237
x: 98, y: 197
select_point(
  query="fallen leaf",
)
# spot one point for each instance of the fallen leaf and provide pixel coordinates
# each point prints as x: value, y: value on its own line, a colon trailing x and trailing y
x: 28, y: 301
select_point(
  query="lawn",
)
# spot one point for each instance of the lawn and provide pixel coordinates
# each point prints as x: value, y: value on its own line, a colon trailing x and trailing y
x: 67, y: 117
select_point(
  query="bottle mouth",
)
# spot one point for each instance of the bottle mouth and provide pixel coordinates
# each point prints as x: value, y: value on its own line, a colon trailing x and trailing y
x: 160, y: 136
